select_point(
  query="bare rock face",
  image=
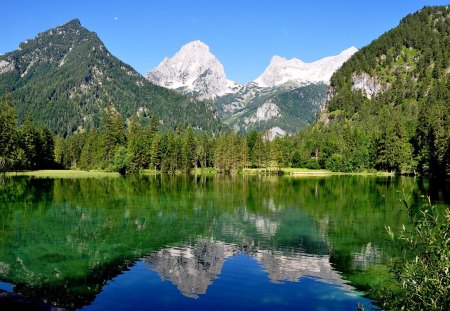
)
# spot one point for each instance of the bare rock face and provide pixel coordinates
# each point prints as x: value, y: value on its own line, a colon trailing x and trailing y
x: 6, y: 66
x: 294, y: 71
x: 369, y: 86
x: 266, y: 112
x: 258, y: 104
x: 193, y: 70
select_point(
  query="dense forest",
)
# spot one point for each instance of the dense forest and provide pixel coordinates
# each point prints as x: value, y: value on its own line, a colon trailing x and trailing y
x: 131, y: 145
x: 390, y: 102
x: 26, y: 147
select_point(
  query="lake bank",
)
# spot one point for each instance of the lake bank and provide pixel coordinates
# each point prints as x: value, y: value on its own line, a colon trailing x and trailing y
x: 294, y: 172
x: 64, y: 174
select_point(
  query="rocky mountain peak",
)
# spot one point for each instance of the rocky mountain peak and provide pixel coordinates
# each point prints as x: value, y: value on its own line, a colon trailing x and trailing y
x: 193, y: 70
x: 197, y: 46
x: 294, y: 71
x: 350, y: 51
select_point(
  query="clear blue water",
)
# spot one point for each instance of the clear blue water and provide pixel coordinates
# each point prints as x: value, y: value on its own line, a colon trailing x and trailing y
x: 243, y: 284
x: 199, y: 243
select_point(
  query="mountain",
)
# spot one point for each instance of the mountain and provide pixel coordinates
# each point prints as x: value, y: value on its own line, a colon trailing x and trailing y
x: 284, y: 99
x: 388, y: 106
x: 280, y: 111
x: 294, y: 71
x: 195, y: 71
x: 66, y: 78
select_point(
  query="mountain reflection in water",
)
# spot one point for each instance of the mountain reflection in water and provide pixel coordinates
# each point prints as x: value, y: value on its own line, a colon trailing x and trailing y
x: 193, y: 268
x: 105, y: 243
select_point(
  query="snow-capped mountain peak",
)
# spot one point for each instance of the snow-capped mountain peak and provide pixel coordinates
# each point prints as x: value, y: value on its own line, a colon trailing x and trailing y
x: 281, y: 70
x: 194, y: 70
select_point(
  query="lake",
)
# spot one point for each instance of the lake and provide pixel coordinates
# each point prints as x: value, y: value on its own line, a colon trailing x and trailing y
x: 201, y: 243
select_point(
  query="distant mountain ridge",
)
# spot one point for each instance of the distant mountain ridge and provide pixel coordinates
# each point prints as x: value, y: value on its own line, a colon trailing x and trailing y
x: 194, y: 70
x: 294, y: 71
x: 66, y: 78
x: 283, y: 99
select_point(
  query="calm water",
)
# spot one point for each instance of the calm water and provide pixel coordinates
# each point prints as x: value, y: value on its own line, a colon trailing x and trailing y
x: 200, y: 243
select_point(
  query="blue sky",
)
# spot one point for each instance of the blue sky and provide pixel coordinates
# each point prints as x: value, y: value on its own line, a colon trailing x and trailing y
x: 244, y: 35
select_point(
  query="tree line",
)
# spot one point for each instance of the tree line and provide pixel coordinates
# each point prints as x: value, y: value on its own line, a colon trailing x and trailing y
x: 25, y: 147
x: 129, y: 146
x: 381, y: 140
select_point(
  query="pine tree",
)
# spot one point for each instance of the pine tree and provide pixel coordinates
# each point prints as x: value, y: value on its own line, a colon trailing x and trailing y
x: 29, y: 142
x: 202, y: 151
x: 251, y: 140
x: 46, y: 148
x: 172, y: 153
x: 90, y: 156
x: 113, y: 134
x: 59, y: 151
x: 156, y: 153
x: 188, y: 150
x: 258, y: 152
x: 244, y: 152
x: 9, y: 148
x: 137, y: 149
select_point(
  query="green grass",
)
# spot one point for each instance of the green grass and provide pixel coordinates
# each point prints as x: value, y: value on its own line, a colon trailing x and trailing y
x: 310, y: 172
x: 286, y: 171
x: 64, y: 174
x: 199, y: 171
x: 305, y: 171
x: 204, y: 171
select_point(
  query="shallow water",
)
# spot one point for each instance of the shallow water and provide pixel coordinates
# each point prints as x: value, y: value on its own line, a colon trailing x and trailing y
x: 200, y: 243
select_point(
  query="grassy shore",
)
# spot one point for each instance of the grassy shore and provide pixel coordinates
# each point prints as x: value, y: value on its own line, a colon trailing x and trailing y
x: 308, y: 172
x: 63, y: 174
x: 287, y: 171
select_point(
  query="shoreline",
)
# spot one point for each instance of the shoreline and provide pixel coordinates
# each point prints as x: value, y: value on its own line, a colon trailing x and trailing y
x: 285, y: 172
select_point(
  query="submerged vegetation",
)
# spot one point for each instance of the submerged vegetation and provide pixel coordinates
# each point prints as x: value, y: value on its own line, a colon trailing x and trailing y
x: 62, y: 239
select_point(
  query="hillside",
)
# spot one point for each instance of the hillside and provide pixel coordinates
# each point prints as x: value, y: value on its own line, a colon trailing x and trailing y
x: 389, y: 103
x: 280, y: 110
x: 66, y: 77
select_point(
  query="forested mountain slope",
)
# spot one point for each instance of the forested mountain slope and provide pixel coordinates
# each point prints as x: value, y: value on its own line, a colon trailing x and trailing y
x: 66, y: 78
x: 388, y: 106
x: 276, y: 111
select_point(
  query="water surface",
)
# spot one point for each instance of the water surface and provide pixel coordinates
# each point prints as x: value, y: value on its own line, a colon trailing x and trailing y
x: 200, y: 243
